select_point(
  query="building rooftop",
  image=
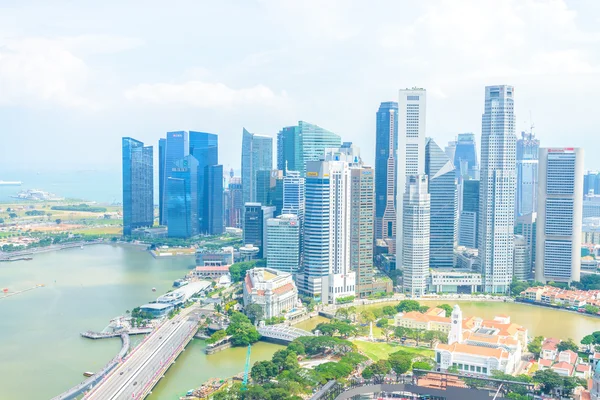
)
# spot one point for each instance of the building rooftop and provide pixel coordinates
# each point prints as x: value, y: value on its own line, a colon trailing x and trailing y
x: 473, y: 350
x: 156, y: 306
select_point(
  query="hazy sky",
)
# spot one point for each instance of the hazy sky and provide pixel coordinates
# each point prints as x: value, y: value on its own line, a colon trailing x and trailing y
x: 76, y: 76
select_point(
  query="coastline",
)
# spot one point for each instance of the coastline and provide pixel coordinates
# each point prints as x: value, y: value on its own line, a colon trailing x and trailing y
x: 16, y: 255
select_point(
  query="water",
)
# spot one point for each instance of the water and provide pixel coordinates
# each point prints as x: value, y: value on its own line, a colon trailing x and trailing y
x: 92, y: 185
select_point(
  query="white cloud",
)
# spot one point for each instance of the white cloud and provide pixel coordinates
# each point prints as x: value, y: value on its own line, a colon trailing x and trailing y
x: 202, y: 94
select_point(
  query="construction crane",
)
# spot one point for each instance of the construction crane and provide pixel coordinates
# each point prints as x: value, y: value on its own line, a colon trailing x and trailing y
x: 246, y: 369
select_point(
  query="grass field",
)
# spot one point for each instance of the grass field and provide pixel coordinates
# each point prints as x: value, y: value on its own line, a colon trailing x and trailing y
x: 376, y: 350
x: 101, y: 230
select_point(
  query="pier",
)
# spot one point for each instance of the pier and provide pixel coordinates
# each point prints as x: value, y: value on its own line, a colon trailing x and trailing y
x: 21, y: 291
x: 106, y: 335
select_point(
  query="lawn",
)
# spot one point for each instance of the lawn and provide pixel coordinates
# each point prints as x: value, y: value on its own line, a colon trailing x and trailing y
x: 101, y: 230
x: 378, y: 350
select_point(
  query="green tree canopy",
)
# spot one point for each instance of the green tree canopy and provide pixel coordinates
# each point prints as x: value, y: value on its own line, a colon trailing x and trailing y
x: 447, y: 308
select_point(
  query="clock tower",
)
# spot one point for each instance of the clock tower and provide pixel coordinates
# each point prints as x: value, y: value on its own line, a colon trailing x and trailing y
x: 456, y: 329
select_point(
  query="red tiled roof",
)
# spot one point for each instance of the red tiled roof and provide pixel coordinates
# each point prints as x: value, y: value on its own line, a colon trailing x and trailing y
x: 285, y: 288
x: 583, y: 368
x: 572, y: 355
x: 563, y: 365
x: 544, y: 363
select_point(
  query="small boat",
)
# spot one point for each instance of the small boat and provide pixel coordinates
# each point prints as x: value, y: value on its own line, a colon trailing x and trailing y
x: 190, y: 392
x: 81, y: 247
x: 88, y: 373
x: 154, y: 289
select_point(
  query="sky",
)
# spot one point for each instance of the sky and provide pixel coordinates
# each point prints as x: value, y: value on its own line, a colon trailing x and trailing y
x: 76, y: 76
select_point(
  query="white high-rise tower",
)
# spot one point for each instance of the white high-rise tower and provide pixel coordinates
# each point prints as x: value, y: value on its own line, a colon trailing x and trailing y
x: 411, y: 149
x: 497, y: 189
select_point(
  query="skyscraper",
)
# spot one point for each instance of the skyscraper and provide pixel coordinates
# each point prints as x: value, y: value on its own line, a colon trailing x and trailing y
x: 296, y: 145
x: 411, y: 148
x: 138, y: 185
x: 236, y: 203
x: 386, y: 146
x: 361, y: 228
x: 182, y: 198
x: 443, y: 206
x: 205, y: 148
x: 521, y: 269
x: 468, y: 221
x: 162, y: 209
x: 497, y: 189
x: 257, y: 155
x: 465, y: 157
x: 526, y: 226
x: 293, y: 194
x: 560, y: 203
x: 269, y: 189
x: 283, y: 237
x: 172, y: 149
x: 255, y: 226
x: 415, y: 230
x: 591, y: 183
x: 527, y: 173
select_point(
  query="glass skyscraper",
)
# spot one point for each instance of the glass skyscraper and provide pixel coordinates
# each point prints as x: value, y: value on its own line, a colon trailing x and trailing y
x: 527, y: 173
x: 138, y: 185
x: 170, y: 150
x: 497, y: 189
x: 255, y: 226
x: 296, y: 145
x: 205, y: 149
x: 257, y: 155
x: 468, y: 221
x: 386, y: 147
x: 443, y: 206
x: 182, y: 200
x: 465, y: 157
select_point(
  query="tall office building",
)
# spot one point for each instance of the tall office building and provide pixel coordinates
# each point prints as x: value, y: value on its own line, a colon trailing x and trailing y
x: 326, y: 266
x: 497, y: 189
x: 468, y: 230
x: 415, y: 230
x: 411, y: 148
x: 182, y: 198
x: 269, y: 189
x: 527, y: 173
x: 296, y: 145
x: 162, y: 210
x: 591, y: 183
x: 172, y: 149
x: 521, y: 269
x: 525, y: 226
x: 205, y: 148
x: 283, y: 238
x: 450, y: 149
x: 465, y: 157
x: 255, y: 226
x: 257, y: 155
x: 386, y: 146
x: 138, y: 185
x: 235, y: 205
x: 560, y: 198
x: 443, y: 206
x: 293, y: 194
x: 361, y: 228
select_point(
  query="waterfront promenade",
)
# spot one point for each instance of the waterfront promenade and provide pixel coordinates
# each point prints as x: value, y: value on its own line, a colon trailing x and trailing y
x: 135, y: 377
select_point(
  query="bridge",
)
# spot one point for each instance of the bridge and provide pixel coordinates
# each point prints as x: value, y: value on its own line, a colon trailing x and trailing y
x: 135, y: 377
x: 106, y: 335
x: 282, y: 332
x: 76, y: 391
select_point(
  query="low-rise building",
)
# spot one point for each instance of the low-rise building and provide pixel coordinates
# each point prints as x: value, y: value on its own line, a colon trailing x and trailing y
x: 214, y: 258
x: 157, y: 310
x: 477, y: 346
x: 453, y: 281
x: 564, y: 363
x: 212, y: 272
x: 274, y: 290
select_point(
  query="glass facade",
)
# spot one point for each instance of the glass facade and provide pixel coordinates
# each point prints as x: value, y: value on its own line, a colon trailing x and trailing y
x: 174, y: 148
x: 527, y: 173
x: 443, y: 206
x: 255, y: 229
x: 182, y: 202
x: 257, y: 155
x: 283, y: 237
x: 138, y: 185
x: 465, y: 157
x: 468, y: 222
x: 162, y: 210
x: 386, y: 148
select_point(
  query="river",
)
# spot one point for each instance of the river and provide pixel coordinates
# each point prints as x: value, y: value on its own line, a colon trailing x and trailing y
x: 42, y: 353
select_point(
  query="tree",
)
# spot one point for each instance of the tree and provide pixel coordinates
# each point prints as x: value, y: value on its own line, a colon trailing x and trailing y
x: 381, y: 368
x: 352, y: 313
x: 297, y: 347
x: 389, y: 311
x: 342, y: 313
x: 387, y: 331
x: 535, y: 346
x: 255, y: 313
x: 383, y: 323
x: 241, y: 330
x: 423, y: 309
x: 58, y: 221
x: 453, y: 369
x: 400, y: 362
x: 591, y: 309
x: 587, y: 340
x: 262, y: 371
x: 421, y: 365
x: 367, y: 316
x: 568, y: 344
x: 367, y: 372
x: 549, y: 380
x: 402, y: 332
x: 12, y: 215
x: 215, y: 337
x: 408, y: 305
x: 447, y: 308
x: 1, y: 220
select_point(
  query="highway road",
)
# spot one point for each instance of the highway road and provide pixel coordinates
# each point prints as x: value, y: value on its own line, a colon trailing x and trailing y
x: 134, y: 378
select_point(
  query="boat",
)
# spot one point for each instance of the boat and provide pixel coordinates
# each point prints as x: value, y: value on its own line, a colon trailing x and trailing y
x: 81, y: 247
x: 154, y: 289
x: 88, y: 373
x: 180, y: 282
x: 10, y: 183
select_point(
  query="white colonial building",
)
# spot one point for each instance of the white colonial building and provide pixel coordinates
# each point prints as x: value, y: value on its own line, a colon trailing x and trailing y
x: 477, y: 346
x: 273, y: 290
